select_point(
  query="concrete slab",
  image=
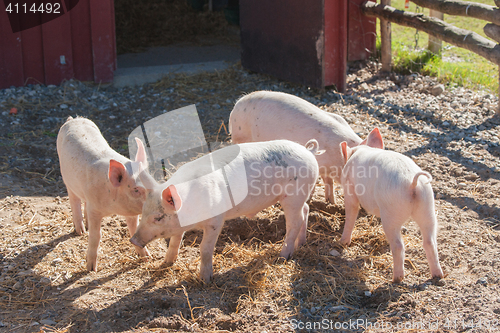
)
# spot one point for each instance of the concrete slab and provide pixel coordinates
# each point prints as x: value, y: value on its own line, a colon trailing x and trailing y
x: 179, y: 54
x: 135, y: 76
x: 150, y: 66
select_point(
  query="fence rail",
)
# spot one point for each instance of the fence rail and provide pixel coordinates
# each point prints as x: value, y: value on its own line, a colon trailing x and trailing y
x: 463, y: 8
x: 440, y: 29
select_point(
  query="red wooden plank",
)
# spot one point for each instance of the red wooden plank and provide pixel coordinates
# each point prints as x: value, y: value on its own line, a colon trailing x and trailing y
x: 103, y: 39
x: 31, y: 36
x: 11, y: 61
x: 33, y: 55
x: 57, y: 50
x: 83, y: 65
x: 70, y: 4
x: 114, y: 34
x: 362, y: 32
x: 335, y: 54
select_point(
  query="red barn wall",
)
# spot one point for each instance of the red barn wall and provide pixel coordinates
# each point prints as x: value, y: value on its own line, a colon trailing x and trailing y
x: 85, y: 36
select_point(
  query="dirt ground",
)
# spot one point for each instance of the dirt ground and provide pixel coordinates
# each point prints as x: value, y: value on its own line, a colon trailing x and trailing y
x: 44, y: 286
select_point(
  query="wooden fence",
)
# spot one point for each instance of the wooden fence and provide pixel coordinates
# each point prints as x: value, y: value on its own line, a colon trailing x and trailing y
x: 437, y: 28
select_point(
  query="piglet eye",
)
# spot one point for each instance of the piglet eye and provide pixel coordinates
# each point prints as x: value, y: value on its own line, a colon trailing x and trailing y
x: 159, y: 218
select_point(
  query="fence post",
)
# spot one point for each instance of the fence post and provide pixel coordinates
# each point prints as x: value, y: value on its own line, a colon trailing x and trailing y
x: 385, y: 39
x: 435, y: 43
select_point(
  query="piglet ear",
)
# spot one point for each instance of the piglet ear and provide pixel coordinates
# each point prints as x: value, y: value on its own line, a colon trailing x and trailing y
x: 148, y: 182
x: 346, y: 151
x: 171, y: 198
x: 141, y: 154
x: 116, y: 173
x: 374, y: 139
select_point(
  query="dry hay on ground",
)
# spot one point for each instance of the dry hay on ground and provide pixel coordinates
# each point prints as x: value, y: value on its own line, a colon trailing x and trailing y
x: 250, y: 277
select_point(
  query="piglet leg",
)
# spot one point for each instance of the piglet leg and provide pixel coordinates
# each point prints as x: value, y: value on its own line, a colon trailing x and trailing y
x: 76, y: 210
x: 301, y: 239
x: 173, y: 249
x: 211, y: 231
x: 295, y: 220
x: 85, y: 215
x: 329, y: 189
x: 351, y: 213
x: 426, y: 220
x: 94, y: 221
x: 132, y: 223
x: 392, y: 229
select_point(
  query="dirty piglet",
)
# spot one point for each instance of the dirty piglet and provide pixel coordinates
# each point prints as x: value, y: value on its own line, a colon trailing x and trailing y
x: 231, y: 182
x: 271, y: 115
x: 100, y: 178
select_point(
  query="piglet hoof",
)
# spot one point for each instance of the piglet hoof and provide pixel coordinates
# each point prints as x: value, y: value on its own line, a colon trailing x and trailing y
x: 91, y: 261
x: 397, y: 279
x: 345, y: 241
x: 79, y: 231
x: 143, y: 257
x: 170, y: 258
x: 286, y: 254
x: 92, y: 265
x: 437, y: 281
x: 438, y: 276
x: 142, y: 252
x: 166, y: 263
x: 206, y: 277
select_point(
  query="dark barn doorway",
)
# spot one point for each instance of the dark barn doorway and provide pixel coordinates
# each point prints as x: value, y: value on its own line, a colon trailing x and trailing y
x: 171, y: 32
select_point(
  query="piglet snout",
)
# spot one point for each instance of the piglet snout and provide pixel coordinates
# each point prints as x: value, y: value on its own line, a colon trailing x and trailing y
x: 136, y: 242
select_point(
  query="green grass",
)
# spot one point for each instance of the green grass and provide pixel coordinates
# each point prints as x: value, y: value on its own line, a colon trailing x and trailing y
x: 455, y: 66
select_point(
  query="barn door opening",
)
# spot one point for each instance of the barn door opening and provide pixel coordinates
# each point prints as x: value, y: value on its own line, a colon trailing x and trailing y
x: 305, y: 42
x: 171, y: 32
